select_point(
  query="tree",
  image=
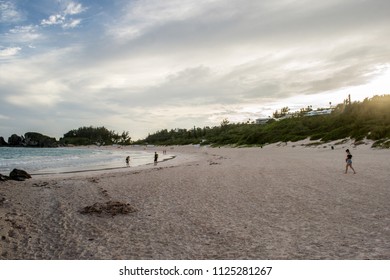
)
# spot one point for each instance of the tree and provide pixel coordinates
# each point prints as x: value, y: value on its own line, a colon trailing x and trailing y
x: 225, y: 122
x: 283, y: 112
x: 125, y: 139
x: 95, y: 136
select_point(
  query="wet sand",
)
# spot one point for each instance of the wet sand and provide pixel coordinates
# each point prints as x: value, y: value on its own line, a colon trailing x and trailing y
x: 276, y: 202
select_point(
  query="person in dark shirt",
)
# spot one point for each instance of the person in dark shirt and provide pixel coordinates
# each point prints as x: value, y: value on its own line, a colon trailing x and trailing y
x: 155, y: 158
x: 348, y: 160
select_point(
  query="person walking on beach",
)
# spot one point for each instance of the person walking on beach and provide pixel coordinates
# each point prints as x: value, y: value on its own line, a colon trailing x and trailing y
x: 348, y: 160
x: 155, y: 158
x: 128, y: 160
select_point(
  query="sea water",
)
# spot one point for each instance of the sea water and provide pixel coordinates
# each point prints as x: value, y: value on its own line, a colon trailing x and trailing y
x: 60, y: 160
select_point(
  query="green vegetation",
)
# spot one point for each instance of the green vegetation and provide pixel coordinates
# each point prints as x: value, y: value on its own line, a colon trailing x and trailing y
x: 358, y: 120
x: 95, y: 136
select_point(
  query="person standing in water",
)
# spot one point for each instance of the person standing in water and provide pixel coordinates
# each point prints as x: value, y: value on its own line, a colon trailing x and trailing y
x: 348, y: 160
x: 155, y: 158
x: 128, y: 161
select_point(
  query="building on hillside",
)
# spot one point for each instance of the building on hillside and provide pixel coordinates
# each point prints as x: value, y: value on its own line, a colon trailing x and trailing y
x: 319, y: 112
x: 286, y: 116
x: 263, y: 120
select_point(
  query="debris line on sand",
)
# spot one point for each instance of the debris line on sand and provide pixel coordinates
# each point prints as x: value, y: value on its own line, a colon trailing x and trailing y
x: 111, y: 208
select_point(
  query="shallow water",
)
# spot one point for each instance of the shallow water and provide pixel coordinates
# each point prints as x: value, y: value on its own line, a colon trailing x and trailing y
x: 59, y: 160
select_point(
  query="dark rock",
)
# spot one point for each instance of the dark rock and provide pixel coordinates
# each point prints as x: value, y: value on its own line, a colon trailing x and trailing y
x: 2, y: 142
x: 31, y: 139
x: 19, y: 175
x: 35, y: 139
x: 15, y: 140
x: 3, y: 178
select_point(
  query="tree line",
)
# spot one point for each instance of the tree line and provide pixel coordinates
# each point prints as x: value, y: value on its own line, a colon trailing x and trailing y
x: 369, y: 118
x: 78, y: 137
x: 95, y: 136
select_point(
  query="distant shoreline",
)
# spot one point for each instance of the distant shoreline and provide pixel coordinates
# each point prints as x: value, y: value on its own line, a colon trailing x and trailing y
x: 98, y: 169
x: 67, y: 160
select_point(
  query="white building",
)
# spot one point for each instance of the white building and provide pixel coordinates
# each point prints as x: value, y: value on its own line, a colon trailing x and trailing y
x: 263, y: 120
x: 319, y: 112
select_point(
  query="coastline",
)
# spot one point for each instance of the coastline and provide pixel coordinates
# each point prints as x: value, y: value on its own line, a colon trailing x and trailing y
x: 103, y: 169
x: 62, y: 160
x: 275, y: 202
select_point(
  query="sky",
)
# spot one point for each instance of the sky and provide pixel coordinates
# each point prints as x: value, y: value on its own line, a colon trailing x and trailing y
x: 145, y: 65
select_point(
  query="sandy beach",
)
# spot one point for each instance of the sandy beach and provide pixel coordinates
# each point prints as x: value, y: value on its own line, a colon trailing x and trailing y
x: 276, y: 202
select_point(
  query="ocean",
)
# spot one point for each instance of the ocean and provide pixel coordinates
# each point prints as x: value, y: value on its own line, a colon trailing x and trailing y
x: 61, y: 160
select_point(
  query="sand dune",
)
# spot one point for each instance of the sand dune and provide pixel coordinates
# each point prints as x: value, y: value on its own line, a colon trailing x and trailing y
x: 276, y: 202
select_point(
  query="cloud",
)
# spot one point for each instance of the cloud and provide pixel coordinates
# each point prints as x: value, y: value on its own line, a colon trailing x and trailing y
x: 31, y: 100
x: 64, y: 17
x: 37, y: 82
x: 2, y: 117
x: 9, y: 13
x: 18, y: 39
x: 169, y: 64
x: 72, y: 23
x: 23, y: 34
x: 139, y: 17
x: 74, y: 9
x: 9, y: 52
x: 53, y: 20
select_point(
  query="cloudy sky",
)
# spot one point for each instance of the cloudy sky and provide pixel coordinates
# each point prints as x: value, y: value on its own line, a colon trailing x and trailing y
x: 145, y: 65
